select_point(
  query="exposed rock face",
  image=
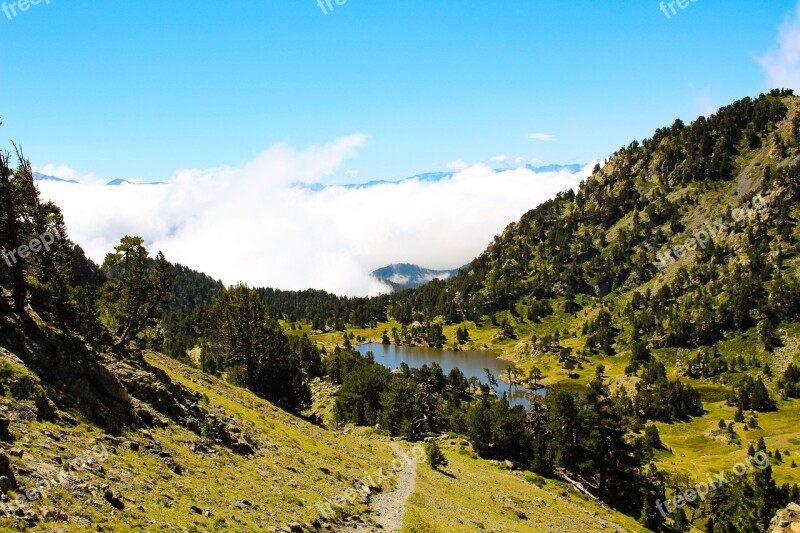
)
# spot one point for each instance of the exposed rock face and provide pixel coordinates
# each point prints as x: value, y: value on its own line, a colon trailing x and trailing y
x: 787, y: 520
x: 72, y: 376
x: 115, y: 391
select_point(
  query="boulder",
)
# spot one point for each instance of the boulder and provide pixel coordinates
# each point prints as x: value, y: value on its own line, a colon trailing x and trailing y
x: 786, y: 520
x: 114, y: 498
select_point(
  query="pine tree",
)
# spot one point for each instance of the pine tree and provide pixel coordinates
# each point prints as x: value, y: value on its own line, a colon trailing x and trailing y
x: 134, y: 298
x: 11, y: 237
x: 243, y: 336
x: 436, y: 457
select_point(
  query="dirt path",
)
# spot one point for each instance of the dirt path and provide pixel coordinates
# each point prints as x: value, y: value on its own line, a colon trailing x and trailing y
x: 388, y: 508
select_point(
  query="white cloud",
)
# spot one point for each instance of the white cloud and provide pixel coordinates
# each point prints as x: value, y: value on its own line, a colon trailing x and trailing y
x: 457, y: 165
x: 520, y: 161
x: 781, y: 64
x: 498, y: 159
x: 352, y: 174
x: 547, y: 137
x: 254, y: 224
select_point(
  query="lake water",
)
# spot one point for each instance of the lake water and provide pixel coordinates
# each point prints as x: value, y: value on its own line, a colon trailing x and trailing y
x: 471, y: 363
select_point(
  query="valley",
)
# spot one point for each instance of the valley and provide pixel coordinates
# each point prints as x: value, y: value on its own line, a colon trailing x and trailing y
x: 234, y: 408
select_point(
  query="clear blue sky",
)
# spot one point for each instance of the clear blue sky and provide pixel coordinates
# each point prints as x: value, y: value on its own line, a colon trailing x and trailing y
x: 138, y: 89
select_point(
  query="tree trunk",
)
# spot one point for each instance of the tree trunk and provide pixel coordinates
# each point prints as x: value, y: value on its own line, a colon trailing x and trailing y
x: 19, y: 288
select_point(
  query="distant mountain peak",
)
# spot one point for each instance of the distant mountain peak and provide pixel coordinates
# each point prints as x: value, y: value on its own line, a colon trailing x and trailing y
x: 430, y: 177
x: 38, y: 176
x: 573, y: 168
x: 408, y: 276
x: 117, y: 182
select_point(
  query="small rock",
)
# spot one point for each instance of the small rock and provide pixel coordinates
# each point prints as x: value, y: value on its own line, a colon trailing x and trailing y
x: 114, y: 498
x: 5, y: 434
x: 5, y: 469
x: 196, y: 509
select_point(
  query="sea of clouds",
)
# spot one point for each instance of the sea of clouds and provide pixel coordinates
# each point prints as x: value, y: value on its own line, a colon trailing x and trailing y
x: 263, y: 225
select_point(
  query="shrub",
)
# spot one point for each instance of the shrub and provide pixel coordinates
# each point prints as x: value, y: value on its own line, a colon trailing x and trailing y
x: 435, y: 455
x: 533, y: 479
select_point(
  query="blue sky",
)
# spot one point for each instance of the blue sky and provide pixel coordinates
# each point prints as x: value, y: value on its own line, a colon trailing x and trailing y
x: 140, y: 89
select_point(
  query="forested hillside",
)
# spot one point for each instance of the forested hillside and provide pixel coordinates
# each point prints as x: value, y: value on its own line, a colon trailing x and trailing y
x: 666, y: 283
x: 659, y: 304
x: 98, y: 430
x: 665, y: 288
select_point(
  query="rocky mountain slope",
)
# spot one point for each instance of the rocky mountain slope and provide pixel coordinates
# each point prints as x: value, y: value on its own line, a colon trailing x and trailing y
x: 143, y: 442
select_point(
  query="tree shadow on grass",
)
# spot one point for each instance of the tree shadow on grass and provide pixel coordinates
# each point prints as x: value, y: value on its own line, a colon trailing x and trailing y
x: 448, y: 474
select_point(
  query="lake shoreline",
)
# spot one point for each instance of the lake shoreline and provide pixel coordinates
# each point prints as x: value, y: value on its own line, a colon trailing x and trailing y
x: 501, y: 355
x: 472, y: 363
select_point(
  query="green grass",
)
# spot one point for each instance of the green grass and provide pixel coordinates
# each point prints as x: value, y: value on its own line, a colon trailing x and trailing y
x: 294, y: 466
x: 696, y: 453
x: 472, y: 494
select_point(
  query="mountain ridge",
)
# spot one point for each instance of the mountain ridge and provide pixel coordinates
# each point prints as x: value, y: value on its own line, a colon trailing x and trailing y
x: 409, y: 276
x: 654, y: 375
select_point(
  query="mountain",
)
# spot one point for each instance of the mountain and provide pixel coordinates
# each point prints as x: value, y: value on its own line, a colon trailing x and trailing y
x: 118, y: 182
x: 651, y: 197
x: 406, y: 276
x: 438, y: 176
x: 43, y: 177
x: 113, y: 183
x: 132, y: 440
x: 573, y: 169
x: 659, y: 304
x: 106, y: 438
x: 667, y: 285
x: 425, y: 177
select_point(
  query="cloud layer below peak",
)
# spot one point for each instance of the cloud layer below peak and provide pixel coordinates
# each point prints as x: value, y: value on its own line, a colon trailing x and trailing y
x: 256, y: 224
